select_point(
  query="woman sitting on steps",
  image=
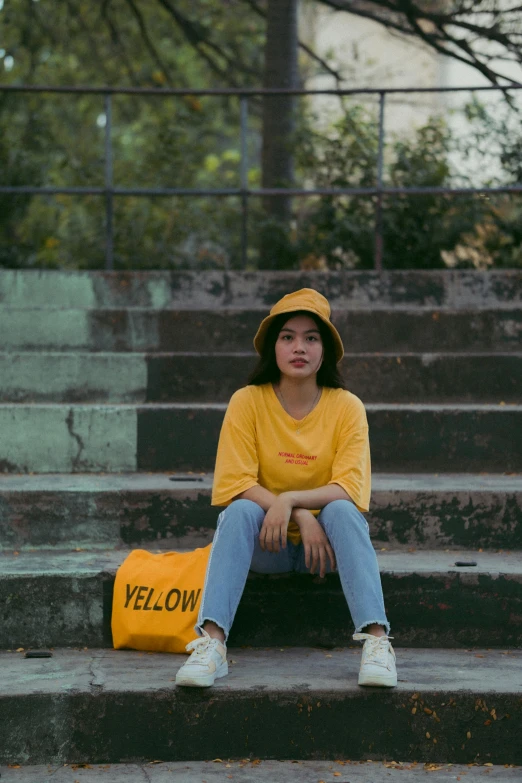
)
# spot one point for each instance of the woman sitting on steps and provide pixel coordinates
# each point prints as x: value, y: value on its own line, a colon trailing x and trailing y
x: 293, y: 469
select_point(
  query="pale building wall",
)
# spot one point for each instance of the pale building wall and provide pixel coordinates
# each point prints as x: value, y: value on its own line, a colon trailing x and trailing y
x: 368, y: 55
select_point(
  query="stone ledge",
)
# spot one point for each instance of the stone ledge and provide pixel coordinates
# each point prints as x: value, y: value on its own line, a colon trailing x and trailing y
x: 64, y: 599
x: 108, y: 377
x: 387, y: 329
x: 249, y: 289
x: 141, y: 509
x: 107, y: 706
x: 265, y: 771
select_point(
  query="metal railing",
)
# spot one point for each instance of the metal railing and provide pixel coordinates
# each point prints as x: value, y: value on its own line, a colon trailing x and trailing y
x: 244, y: 192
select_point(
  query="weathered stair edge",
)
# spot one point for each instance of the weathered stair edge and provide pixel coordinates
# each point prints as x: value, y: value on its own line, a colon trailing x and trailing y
x: 58, y: 600
x: 384, y: 330
x: 88, y: 289
x: 210, y: 377
x: 85, y: 510
x: 158, y: 437
x: 109, y: 707
x: 252, y: 770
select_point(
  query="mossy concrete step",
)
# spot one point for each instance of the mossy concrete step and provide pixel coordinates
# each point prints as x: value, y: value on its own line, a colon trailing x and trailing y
x: 65, y: 599
x: 140, y: 509
x: 159, y: 289
x: 212, y: 377
x: 362, y: 330
x: 56, y: 438
x: 100, y: 706
x: 47, y: 376
x: 252, y: 770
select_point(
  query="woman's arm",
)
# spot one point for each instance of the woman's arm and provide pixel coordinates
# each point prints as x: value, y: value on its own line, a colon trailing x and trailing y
x: 315, y: 498
x: 293, y: 505
x: 263, y: 497
x: 308, y: 498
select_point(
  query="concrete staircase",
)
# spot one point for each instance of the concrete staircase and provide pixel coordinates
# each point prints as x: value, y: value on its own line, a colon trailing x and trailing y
x: 112, y: 393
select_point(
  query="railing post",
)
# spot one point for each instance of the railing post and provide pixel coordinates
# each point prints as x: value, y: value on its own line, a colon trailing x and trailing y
x: 378, y: 241
x: 109, y: 185
x: 243, y: 111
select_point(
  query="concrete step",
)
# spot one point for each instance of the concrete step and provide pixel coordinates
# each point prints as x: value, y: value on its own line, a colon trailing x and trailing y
x: 210, y: 377
x: 65, y: 599
x: 185, y: 289
x: 363, y: 330
x: 73, y: 377
x: 140, y: 509
x: 58, y: 438
x: 100, y: 706
x: 251, y: 770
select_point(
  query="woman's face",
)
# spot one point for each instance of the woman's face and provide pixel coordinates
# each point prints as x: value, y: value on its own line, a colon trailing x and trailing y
x: 299, y: 348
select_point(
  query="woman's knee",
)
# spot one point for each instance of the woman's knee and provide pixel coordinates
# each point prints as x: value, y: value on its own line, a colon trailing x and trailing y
x: 243, y: 511
x: 343, y: 512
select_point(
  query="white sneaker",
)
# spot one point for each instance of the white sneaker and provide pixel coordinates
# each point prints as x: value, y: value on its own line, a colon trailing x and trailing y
x: 207, y: 662
x: 378, y: 661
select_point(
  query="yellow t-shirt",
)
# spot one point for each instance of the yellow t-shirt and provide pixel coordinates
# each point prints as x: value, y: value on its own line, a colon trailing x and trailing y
x: 259, y: 444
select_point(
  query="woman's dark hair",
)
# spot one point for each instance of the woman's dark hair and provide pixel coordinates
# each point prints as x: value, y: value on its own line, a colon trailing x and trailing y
x: 267, y: 371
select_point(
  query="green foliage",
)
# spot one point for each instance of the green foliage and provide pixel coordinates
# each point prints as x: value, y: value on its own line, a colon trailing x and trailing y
x: 419, y: 231
x: 58, y: 140
x: 191, y: 142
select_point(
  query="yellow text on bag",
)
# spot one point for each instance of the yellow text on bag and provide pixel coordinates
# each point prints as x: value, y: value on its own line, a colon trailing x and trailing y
x: 156, y: 599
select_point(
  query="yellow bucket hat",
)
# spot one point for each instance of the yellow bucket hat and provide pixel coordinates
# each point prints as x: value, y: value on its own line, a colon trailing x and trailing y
x: 306, y: 299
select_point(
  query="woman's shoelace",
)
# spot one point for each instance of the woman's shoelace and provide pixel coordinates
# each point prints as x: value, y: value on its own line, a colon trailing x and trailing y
x: 378, y: 652
x: 202, y: 647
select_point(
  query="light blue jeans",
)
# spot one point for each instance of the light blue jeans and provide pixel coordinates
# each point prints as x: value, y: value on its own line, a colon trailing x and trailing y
x: 236, y: 550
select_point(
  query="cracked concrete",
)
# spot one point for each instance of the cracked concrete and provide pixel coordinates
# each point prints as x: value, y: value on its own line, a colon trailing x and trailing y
x: 81, y: 446
x: 49, y: 438
x: 311, y: 695
x: 146, y: 773
x: 97, y: 680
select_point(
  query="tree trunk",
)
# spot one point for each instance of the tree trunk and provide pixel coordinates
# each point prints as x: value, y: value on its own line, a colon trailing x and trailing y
x: 281, y: 70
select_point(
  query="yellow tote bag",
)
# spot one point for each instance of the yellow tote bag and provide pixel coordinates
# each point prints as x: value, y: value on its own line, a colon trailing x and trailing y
x: 156, y: 599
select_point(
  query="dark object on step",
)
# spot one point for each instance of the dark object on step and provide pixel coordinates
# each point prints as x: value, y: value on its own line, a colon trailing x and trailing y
x: 38, y: 654
x: 185, y: 478
x: 465, y: 563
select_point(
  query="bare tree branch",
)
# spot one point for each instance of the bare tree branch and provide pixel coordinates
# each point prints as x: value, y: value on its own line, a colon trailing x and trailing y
x: 147, y: 40
x: 461, y: 32
x: 104, y: 13
x: 197, y: 36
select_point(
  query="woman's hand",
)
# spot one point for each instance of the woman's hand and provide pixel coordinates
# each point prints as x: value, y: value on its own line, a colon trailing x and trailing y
x: 316, y: 545
x: 275, y: 525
